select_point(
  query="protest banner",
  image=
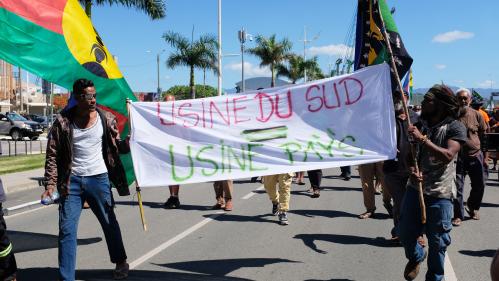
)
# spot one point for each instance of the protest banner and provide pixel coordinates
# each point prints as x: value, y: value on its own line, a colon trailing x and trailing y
x: 339, y: 121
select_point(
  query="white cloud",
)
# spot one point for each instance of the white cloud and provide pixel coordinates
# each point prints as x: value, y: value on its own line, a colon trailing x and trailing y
x: 486, y: 84
x: 459, y: 81
x: 440, y: 66
x: 330, y: 50
x: 250, y: 70
x: 451, y: 36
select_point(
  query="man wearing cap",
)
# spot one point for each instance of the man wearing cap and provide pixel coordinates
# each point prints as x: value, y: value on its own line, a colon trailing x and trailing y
x: 439, y: 138
x: 470, y: 160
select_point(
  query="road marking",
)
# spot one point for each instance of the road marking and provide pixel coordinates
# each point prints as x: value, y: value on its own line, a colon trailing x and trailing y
x: 249, y: 195
x: 450, y: 275
x: 23, y: 205
x: 29, y: 211
x: 174, y: 240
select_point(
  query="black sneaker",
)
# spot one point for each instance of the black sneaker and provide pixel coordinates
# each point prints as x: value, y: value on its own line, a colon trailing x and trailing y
x: 283, y: 218
x: 172, y: 203
x: 275, y: 209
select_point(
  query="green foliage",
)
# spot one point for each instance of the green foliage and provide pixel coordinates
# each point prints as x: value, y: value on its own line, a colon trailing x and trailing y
x: 21, y: 163
x: 155, y: 9
x: 181, y: 92
x: 271, y: 52
x: 295, y: 67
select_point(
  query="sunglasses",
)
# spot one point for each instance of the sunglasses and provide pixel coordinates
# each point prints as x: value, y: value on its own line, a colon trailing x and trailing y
x: 89, y: 96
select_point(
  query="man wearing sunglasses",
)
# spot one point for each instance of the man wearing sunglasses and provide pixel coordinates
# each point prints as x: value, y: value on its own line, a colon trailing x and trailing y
x: 82, y: 161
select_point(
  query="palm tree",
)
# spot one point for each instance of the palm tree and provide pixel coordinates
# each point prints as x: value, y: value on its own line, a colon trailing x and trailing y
x: 200, y: 54
x: 156, y: 9
x: 271, y: 53
x: 295, y: 68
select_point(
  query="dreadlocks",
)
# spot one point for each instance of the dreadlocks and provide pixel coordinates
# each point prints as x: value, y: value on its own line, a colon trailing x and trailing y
x: 447, y: 102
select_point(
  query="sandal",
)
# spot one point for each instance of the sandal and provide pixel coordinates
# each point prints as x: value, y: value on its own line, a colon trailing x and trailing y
x: 456, y: 222
x: 366, y: 215
x: 316, y: 193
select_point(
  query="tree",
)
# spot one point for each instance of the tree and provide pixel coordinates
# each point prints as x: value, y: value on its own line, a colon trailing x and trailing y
x: 156, y: 9
x: 200, y: 54
x: 295, y: 68
x: 271, y: 52
x: 181, y: 92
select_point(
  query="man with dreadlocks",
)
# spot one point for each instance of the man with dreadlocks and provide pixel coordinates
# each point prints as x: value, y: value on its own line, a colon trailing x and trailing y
x: 439, y: 138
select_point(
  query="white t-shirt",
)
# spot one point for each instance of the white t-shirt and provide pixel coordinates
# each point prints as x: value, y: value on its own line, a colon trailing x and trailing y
x: 87, y: 150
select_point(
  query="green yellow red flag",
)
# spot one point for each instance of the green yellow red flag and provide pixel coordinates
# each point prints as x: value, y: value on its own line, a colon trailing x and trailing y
x: 55, y: 40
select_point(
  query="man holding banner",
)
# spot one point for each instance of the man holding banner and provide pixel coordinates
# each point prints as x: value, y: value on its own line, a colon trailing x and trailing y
x: 440, y: 138
x: 82, y: 159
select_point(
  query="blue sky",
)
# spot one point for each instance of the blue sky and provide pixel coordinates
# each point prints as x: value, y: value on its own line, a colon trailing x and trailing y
x: 450, y: 41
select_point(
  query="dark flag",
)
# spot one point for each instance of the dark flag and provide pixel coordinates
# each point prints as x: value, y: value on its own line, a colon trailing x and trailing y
x: 370, y: 46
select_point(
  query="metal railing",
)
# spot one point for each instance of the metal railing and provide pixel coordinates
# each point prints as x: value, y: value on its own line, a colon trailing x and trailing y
x: 22, y: 147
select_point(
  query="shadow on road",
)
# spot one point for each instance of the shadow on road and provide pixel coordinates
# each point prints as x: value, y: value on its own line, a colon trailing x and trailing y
x: 223, y: 267
x: 481, y: 253
x: 309, y: 240
x: 489, y: 205
x: 334, y: 279
x: 160, y: 205
x: 240, y: 218
x: 29, y: 241
x: 323, y: 213
x: 50, y: 274
x: 342, y: 188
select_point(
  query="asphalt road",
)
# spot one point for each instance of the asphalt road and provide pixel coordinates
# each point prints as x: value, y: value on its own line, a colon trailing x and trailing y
x: 324, y: 241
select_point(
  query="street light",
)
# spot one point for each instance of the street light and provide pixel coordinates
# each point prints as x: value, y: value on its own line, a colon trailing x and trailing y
x: 242, y: 38
x: 305, y: 42
x: 158, y: 90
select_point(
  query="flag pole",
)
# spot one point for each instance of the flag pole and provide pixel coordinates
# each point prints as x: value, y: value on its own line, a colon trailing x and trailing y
x: 137, y: 188
x: 406, y: 111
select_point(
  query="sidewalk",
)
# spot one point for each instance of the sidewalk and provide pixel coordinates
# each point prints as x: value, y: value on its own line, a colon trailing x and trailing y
x: 20, y: 181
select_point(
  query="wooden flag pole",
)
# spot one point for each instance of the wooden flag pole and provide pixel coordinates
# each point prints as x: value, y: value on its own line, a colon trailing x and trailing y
x: 406, y: 111
x: 137, y: 188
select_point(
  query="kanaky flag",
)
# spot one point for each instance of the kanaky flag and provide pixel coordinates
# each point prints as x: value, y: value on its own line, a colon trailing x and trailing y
x: 55, y: 40
x: 370, y: 44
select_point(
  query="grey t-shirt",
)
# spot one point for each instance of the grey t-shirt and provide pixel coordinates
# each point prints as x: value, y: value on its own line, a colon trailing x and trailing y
x: 438, y: 176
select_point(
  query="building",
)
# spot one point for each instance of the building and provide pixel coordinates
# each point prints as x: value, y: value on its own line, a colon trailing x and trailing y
x: 258, y: 83
x: 8, y: 83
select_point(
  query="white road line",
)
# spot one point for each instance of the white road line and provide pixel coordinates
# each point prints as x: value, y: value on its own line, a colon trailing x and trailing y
x: 23, y: 205
x: 249, y: 195
x: 450, y: 275
x: 174, y: 240
x: 29, y: 211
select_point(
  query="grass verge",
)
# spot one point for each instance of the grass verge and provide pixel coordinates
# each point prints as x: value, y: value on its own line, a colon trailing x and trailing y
x: 21, y: 163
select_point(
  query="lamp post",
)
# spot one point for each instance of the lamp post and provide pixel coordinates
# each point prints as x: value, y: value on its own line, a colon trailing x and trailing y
x: 158, y: 90
x: 219, y: 90
x: 305, y: 42
x: 242, y: 38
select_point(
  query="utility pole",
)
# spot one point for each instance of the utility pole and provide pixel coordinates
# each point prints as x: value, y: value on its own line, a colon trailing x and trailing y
x: 20, y: 88
x: 305, y: 42
x: 219, y: 47
x: 242, y: 39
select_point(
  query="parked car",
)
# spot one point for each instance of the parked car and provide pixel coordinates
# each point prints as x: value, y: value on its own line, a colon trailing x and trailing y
x: 42, y: 120
x: 18, y: 127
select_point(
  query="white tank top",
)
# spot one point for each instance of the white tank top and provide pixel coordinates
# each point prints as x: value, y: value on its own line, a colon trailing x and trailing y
x: 87, y: 150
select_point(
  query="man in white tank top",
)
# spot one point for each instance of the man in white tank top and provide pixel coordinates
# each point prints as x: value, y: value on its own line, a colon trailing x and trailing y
x: 81, y: 162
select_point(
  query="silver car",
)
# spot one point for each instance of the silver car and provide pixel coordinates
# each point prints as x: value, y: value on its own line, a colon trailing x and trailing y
x: 18, y: 127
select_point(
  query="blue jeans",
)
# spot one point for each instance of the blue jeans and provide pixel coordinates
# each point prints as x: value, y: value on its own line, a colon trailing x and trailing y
x: 96, y: 190
x: 439, y: 213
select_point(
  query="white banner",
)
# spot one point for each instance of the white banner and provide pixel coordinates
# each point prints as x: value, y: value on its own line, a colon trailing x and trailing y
x: 340, y: 121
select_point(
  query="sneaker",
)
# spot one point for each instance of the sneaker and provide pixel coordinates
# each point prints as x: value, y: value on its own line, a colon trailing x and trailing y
x: 283, y: 218
x: 347, y: 178
x: 411, y: 270
x: 121, y: 272
x: 172, y: 203
x: 275, y: 209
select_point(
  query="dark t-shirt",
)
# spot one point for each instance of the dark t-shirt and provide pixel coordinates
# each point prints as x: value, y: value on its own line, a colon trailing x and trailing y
x: 438, y: 176
x: 400, y: 163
